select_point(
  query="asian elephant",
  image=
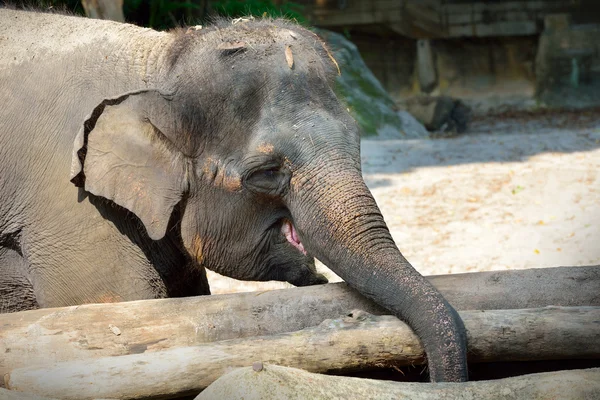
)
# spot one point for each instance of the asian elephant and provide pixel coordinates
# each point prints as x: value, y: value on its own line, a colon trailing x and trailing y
x: 132, y: 159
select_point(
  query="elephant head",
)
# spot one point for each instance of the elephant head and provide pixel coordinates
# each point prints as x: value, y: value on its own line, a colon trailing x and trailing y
x: 245, y: 135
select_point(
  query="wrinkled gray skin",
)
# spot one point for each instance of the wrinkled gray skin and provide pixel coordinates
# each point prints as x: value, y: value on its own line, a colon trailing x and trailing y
x: 131, y: 160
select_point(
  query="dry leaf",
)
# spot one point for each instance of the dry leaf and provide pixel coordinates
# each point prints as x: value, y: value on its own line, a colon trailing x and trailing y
x: 289, y: 57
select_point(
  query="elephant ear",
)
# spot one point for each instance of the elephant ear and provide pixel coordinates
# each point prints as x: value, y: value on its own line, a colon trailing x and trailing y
x: 121, y: 155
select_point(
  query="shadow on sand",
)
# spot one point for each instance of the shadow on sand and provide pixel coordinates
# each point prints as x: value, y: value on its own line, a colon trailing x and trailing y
x: 502, y: 141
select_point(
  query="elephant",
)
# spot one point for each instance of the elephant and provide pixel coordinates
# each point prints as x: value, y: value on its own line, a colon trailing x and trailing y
x: 132, y: 159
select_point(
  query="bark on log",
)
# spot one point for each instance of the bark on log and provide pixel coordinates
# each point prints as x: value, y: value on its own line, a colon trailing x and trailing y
x: 99, y: 330
x: 10, y: 395
x: 363, y: 341
x: 281, y: 383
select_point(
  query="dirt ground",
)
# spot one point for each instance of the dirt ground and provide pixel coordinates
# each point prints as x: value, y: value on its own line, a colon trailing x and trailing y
x: 517, y: 191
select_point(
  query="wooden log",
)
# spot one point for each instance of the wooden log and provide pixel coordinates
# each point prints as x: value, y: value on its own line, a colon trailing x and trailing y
x: 11, y: 395
x: 280, y: 383
x: 350, y: 343
x: 99, y: 330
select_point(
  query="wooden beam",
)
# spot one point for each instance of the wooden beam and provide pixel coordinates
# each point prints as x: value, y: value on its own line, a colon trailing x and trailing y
x: 350, y: 343
x: 99, y: 330
x: 499, y: 28
x: 280, y: 383
x: 12, y: 395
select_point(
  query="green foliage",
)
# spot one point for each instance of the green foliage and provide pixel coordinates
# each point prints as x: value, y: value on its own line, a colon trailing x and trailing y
x: 69, y: 6
x: 259, y: 8
x: 165, y: 14
x: 366, y: 99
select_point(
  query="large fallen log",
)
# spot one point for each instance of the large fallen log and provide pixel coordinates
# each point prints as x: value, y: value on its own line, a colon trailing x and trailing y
x: 99, y: 330
x: 10, y: 395
x: 279, y: 383
x: 352, y: 343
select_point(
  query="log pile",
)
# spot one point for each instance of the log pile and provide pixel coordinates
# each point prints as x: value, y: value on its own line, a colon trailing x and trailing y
x: 280, y: 383
x: 173, y: 347
x: 361, y: 341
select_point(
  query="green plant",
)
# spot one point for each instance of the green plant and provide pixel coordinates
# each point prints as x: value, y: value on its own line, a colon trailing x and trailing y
x: 259, y: 8
x: 69, y: 6
x: 164, y: 14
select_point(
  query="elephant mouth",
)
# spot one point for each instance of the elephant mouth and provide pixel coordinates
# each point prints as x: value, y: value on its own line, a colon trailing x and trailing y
x: 289, y: 231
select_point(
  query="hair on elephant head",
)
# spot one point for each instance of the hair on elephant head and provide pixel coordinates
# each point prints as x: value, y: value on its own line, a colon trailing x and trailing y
x: 244, y: 132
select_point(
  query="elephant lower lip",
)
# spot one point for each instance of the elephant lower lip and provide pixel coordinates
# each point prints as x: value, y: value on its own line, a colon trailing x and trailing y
x: 289, y: 231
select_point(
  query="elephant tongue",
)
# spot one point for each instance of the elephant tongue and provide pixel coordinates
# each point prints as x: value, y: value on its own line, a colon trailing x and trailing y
x: 288, y: 230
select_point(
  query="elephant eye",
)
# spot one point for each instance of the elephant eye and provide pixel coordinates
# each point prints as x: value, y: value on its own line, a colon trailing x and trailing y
x: 271, y: 180
x: 270, y: 173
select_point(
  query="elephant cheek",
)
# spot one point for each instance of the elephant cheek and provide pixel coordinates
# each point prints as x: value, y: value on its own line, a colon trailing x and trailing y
x: 196, y: 248
x: 108, y: 297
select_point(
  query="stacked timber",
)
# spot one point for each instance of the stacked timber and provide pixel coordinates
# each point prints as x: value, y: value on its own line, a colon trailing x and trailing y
x: 174, y: 347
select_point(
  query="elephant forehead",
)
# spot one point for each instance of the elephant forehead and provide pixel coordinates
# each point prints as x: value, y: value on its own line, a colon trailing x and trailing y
x: 258, y: 64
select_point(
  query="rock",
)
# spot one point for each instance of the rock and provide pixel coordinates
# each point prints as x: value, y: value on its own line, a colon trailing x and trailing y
x: 281, y: 383
x: 459, y: 117
x: 410, y: 125
x: 367, y: 100
x: 440, y: 113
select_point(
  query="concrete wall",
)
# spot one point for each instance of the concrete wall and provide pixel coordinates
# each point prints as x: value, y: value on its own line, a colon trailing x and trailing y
x: 471, y: 69
x: 435, y: 19
x: 391, y: 58
x: 568, y: 63
x: 491, y: 53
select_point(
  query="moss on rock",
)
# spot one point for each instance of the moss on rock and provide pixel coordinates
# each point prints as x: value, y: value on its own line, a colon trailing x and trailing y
x: 367, y: 100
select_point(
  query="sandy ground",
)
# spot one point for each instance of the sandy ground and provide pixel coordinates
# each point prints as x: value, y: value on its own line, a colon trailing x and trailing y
x: 515, y: 192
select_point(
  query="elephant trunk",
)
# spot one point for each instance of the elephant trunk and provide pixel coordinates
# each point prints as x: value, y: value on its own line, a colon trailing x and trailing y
x: 339, y: 223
